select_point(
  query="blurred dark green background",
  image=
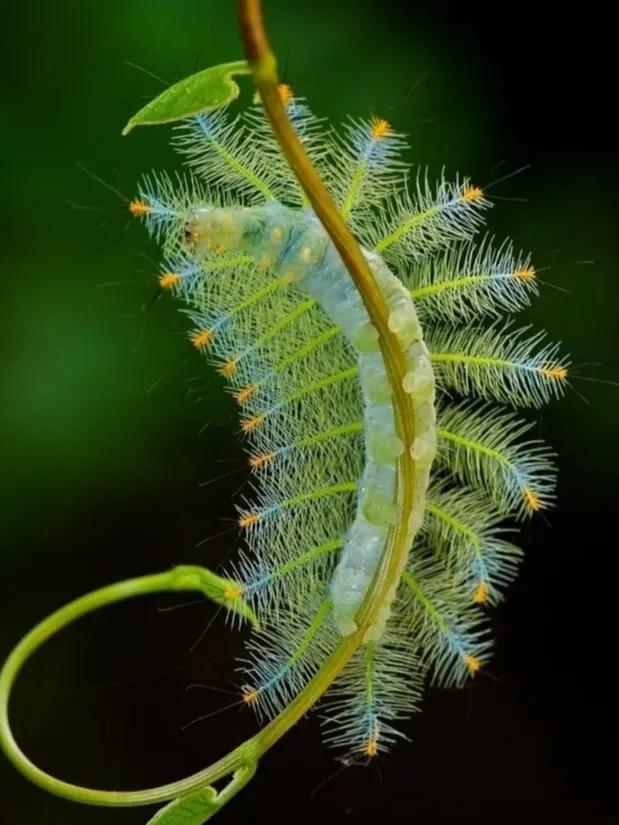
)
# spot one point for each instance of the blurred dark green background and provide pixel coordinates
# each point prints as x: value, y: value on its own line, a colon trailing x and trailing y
x: 111, y: 425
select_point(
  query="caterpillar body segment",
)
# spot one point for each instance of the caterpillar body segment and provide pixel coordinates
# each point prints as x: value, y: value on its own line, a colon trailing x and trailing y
x: 275, y: 310
x: 376, y: 509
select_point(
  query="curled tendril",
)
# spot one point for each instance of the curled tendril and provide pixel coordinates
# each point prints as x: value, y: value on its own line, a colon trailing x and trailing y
x: 183, y: 578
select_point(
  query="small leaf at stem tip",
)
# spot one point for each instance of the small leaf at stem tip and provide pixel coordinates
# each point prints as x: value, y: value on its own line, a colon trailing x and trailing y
x: 201, y: 92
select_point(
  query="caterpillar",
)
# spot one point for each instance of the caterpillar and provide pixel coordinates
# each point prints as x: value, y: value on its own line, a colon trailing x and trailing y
x: 273, y: 306
x: 365, y: 327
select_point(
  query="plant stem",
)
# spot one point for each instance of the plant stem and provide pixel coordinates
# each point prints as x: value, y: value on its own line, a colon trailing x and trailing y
x: 264, y: 68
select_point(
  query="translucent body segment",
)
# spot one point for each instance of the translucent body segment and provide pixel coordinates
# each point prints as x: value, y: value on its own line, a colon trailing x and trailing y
x: 377, y: 510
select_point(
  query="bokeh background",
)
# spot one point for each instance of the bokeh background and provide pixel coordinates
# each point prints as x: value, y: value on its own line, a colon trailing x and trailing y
x: 112, y: 430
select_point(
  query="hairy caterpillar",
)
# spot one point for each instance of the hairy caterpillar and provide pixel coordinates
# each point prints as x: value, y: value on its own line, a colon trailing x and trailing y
x: 377, y: 382
x: 273, y: 305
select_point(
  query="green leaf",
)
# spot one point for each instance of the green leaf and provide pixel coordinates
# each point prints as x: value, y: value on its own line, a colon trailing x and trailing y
x: 199, y: 806
x: 202, y: 92
x: 189, y: 810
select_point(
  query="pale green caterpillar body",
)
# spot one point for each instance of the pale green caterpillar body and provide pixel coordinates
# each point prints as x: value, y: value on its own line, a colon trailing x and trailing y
x: 275, y: 308
x: 298, y: 251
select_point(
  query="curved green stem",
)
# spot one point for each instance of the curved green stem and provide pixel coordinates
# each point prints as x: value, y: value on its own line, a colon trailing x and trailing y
x: 178, y: 579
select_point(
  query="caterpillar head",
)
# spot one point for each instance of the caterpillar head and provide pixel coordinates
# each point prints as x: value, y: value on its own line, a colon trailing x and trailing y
x: 210, y: 229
